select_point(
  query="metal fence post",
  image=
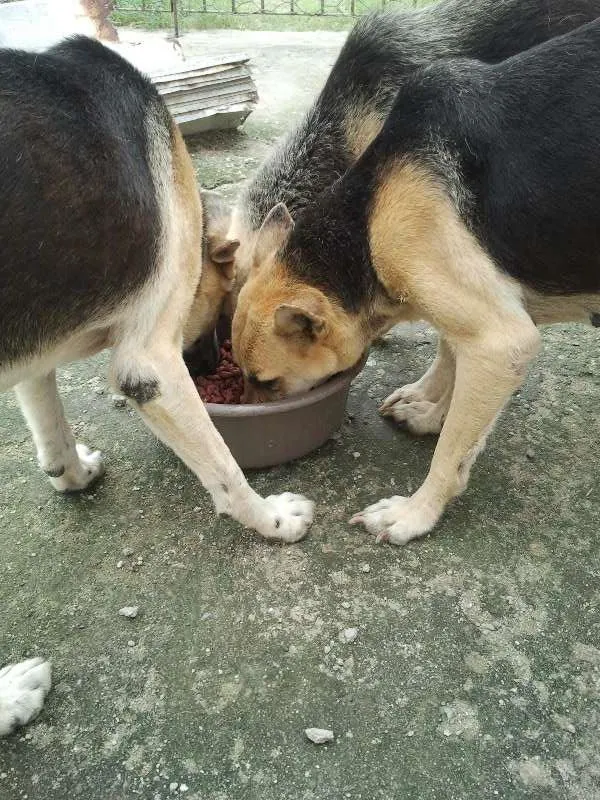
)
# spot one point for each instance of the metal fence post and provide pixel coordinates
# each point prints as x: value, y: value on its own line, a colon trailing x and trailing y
x: 174, y: 10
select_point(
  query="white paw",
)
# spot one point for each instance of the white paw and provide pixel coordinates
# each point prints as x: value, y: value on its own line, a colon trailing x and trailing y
x: 398, y: 519
x: 289, y: 517
x: 23, y: 689
x: 80, y: 475
x: 420, y: 416
x: 405, y: 394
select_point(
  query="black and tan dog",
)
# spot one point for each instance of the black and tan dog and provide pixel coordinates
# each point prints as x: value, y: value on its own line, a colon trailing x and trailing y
x: 477, y: 208
x: 381, y: 52
x: 101, y: 243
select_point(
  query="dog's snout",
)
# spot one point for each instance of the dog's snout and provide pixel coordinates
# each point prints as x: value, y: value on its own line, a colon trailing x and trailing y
x: 202, y: 357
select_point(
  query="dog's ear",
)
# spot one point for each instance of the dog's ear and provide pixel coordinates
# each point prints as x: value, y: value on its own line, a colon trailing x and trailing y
x: 273, y: 233
x: 221, y: 252
x: 219, y: 247
x: 301, y: 319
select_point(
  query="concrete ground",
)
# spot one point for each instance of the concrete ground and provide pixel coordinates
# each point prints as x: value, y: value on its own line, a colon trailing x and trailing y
x: 476, y: 669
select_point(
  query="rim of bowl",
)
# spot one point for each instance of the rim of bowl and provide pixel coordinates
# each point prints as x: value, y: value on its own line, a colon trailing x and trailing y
x: 321, y: 392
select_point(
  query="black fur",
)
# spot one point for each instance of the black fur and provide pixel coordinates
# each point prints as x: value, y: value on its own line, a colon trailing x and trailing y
x: 515, y: 145
x: 329, y: 245
x: 382, y: 50
x: 56, y: 472
x: 79, y: 218
x: 523, y: 135
x: 141, y: 391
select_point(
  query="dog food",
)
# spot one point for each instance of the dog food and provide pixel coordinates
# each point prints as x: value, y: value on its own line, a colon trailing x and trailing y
x: 226, y: 384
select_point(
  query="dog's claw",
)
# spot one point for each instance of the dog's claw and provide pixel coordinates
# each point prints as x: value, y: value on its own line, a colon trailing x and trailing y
x: 397, y: 520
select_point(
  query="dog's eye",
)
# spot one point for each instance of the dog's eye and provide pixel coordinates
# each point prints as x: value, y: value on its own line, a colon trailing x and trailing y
x: 268, y: 386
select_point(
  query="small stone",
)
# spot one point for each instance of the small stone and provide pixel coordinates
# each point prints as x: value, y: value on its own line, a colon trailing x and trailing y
x: 365, y: 568
x: 319, y: 735
x: 348, y: 635
x: 120, y: 564
x: 130, y: 612
x: 173, y: 786
x: 131, y: 643
x: 118, y: 401
x: 530, y: 454
x: 356, y: 454
x: 183, y: 787
x: 127, y: 551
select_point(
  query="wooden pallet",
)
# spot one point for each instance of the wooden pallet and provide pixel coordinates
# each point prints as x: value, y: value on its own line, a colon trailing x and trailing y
x: 208, y: 93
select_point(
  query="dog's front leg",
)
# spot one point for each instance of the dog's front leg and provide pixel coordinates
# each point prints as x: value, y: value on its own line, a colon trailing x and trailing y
x: 423, y: 406
x: 70, y: 466
x: 163, y: 392
x: 488, y: 369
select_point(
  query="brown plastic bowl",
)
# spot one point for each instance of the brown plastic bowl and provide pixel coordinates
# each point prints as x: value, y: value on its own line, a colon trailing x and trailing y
x: 262, y: 435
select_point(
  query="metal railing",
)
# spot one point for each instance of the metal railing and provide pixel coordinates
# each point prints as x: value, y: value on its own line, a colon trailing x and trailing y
x: 179, y: 9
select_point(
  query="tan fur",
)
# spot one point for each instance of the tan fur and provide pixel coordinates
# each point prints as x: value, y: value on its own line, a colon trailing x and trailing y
x: 206, y: 292
x: 548, y: 310
x: 243, y: 258
x: 362, y: 126
x: 294, y: 361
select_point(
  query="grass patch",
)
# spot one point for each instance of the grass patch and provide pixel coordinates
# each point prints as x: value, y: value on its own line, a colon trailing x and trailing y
x: 250, y: 14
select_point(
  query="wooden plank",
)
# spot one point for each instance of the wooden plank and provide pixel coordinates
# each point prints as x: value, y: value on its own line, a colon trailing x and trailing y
x: 218, y: 101
x: 192, y: 66
x: 184, y: 86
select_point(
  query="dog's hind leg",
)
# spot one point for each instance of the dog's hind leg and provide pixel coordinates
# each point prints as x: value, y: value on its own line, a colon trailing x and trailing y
x: 70, y: 466
x: 23, y: 689
x: 423, y: 406
x: 168, y: 401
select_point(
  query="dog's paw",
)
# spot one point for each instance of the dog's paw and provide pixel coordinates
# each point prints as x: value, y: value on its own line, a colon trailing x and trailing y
x: 88, y: 468
x: 397, y: 519
x: 23, y: 689
x: 289, y: 516
x: 420, y: 416
x: 410, y: 393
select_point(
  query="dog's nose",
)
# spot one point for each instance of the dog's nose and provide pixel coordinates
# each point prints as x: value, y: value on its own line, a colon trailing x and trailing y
x: 202, y: 358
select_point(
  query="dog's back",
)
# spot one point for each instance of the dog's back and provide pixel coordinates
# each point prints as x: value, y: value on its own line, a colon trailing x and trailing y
x: 517, y: 146
x: 381, y: 51
x: 80, y: 130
